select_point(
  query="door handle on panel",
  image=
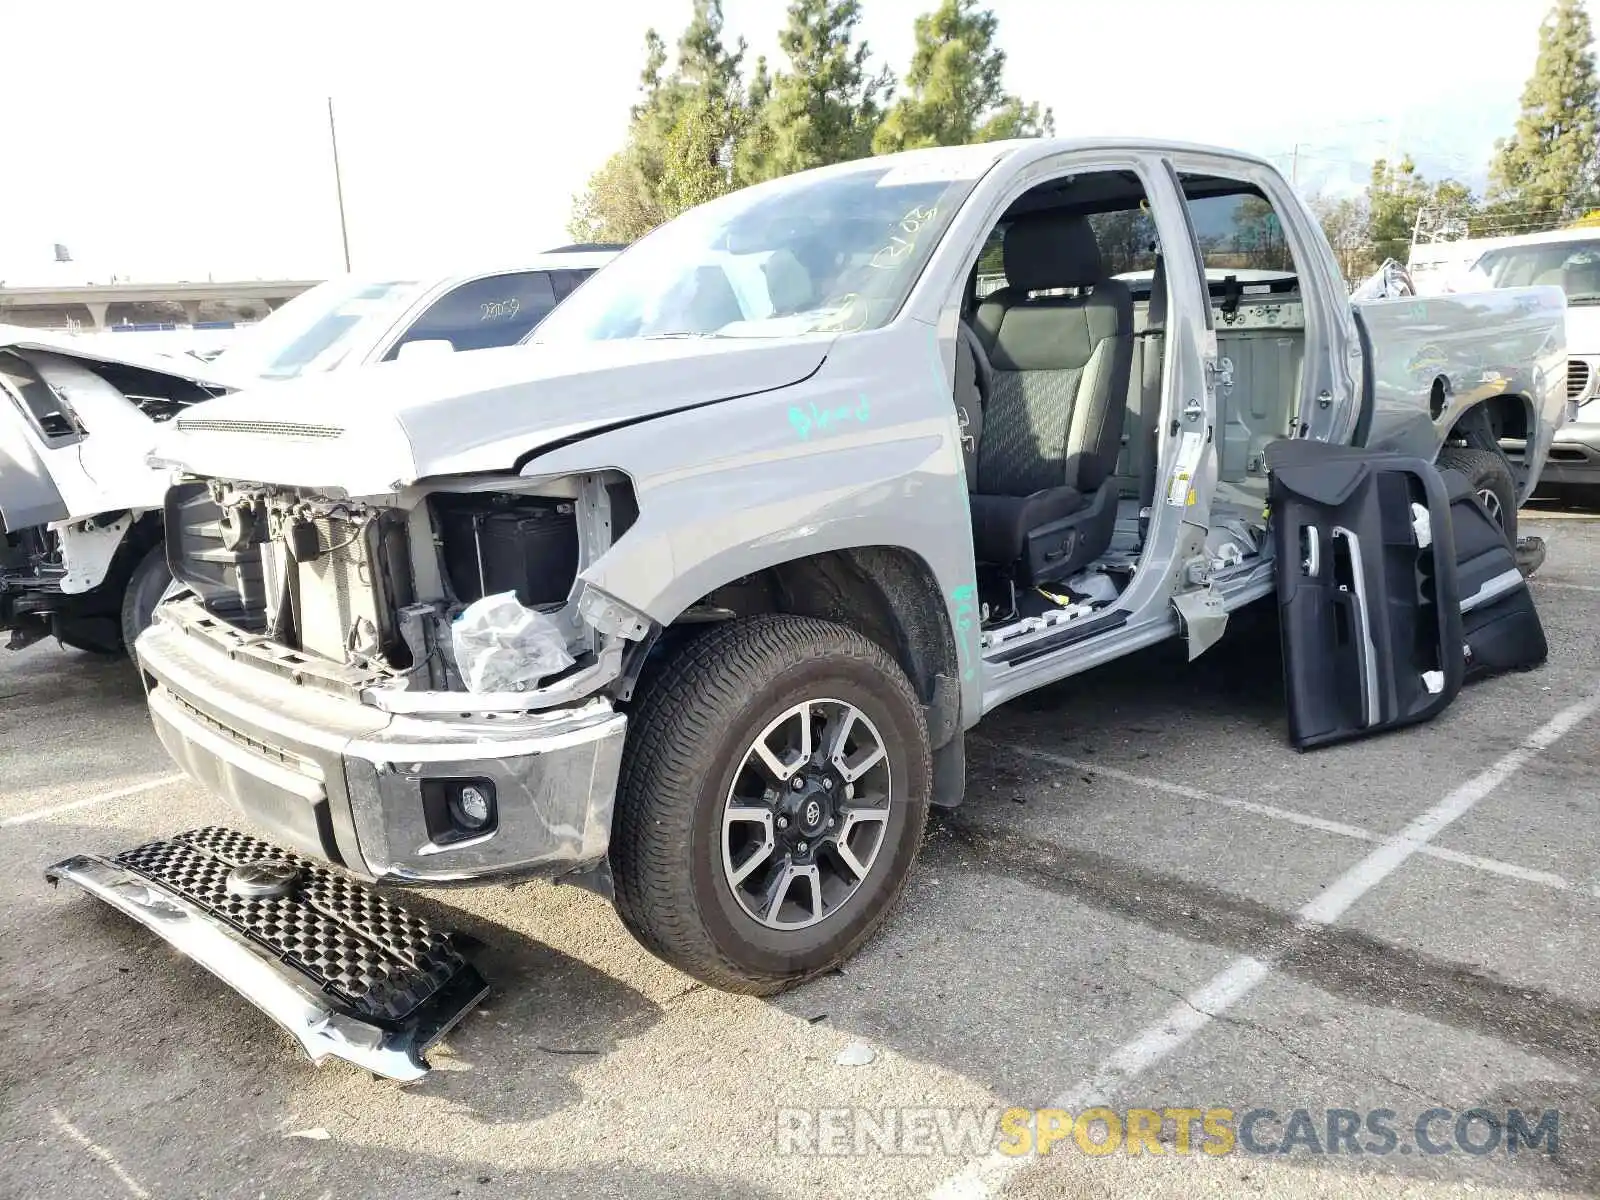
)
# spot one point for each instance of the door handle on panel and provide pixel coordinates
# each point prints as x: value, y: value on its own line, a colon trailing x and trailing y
x: 1310, y: 550
x: 1367, y: 651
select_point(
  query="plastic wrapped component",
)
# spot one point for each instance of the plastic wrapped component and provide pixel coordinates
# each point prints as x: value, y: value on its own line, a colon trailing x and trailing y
x: 501, y: 646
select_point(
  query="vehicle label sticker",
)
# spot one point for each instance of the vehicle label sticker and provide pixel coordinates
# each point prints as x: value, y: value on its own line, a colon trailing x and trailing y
x: 1180, y: 492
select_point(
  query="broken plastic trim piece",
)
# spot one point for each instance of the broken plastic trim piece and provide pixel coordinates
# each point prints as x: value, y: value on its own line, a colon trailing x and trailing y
x: 321, y: 1026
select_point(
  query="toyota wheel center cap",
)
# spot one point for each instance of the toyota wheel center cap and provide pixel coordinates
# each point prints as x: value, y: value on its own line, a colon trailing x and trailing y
x: 263, y: 879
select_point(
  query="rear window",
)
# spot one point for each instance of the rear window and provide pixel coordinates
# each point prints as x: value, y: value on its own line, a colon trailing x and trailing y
x: 1240, y: 232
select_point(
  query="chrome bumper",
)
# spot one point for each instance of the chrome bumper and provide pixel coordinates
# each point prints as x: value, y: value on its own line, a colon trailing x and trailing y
x: 276, y: 974
x: 1574, y: 454
x: 339, y: 780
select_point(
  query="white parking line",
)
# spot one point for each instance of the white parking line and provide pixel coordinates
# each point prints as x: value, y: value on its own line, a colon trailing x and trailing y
x: 44, y: 814
x: 1492, y: 866
x: 985, y: 1177
x: 72, y: 1131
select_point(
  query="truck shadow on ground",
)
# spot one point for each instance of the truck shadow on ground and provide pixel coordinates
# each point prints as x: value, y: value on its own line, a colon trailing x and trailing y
x: 1241, y: 674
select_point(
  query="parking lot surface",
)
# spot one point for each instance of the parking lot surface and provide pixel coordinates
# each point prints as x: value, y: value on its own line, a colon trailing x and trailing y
x: 1148, y: 901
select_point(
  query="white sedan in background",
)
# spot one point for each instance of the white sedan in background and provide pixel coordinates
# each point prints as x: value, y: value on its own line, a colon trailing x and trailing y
x: 82, y: 553
x: 358, y: 320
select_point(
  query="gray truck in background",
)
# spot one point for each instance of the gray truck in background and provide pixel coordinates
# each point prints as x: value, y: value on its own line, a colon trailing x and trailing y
x: 693, y: 599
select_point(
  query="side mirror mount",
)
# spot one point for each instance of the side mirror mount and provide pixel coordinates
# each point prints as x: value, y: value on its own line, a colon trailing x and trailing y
x: 425, y: 348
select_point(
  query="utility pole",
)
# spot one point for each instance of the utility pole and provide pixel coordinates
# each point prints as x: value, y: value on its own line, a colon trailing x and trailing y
x: 338, y: 185
x: 1294, y: 166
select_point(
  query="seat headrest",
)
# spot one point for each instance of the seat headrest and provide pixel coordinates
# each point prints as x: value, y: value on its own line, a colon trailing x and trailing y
x: 1048, y: 250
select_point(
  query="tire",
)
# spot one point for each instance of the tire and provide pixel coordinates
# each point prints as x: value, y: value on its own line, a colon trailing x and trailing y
x: 145, y: 586
x: 1490, y: 476
x: 691, y: 740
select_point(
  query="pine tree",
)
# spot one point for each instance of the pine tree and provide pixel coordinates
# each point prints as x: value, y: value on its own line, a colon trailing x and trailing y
x: 679, y: 135
x: 826, y: 106
x: 954, y: 91
x: 1547, y: 172
x: 1395, y: 195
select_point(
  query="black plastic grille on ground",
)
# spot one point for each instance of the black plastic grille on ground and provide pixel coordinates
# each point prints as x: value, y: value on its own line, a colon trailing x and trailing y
x: 373, y: 956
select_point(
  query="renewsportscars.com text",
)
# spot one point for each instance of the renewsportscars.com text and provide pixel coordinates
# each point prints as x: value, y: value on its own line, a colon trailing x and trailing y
x: 1210, y: 1131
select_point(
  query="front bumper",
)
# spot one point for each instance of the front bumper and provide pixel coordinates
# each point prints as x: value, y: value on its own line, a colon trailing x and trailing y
x: 1575, y: 452
x: 339, y: 780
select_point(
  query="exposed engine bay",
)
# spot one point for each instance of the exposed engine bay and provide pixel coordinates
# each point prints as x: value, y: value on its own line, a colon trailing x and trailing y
x: 355, y: 594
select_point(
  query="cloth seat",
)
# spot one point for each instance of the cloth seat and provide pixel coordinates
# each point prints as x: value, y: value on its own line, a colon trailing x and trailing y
x: 1058, y: 368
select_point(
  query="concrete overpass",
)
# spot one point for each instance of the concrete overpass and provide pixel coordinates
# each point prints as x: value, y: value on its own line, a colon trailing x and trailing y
x: 109, y: 305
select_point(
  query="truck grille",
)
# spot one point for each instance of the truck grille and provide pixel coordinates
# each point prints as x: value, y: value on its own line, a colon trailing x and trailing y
x: 374, y: 957
x: 1579, y: 378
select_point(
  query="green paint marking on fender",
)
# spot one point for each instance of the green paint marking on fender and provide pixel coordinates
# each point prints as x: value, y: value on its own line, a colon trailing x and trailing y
x: 965, y: 600
x: 812, y: 419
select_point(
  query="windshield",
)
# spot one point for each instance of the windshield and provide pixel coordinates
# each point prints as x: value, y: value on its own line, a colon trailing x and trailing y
x: 1574, y: 267
x: 834, y: 250
x: 314, y: 329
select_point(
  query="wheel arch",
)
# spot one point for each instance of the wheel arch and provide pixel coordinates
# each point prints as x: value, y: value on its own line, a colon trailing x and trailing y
x: 1507, y: 415
x: 1482, y: 424
x: 889, y: 594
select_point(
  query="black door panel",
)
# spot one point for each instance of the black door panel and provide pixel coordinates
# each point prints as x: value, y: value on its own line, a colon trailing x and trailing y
x: 1500, y: 626
x: 1368, y: 597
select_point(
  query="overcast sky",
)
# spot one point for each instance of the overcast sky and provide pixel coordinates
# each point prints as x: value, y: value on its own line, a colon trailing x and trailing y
x: 177, y: 140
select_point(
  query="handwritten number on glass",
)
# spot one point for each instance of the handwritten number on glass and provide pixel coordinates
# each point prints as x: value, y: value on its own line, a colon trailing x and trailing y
x: 493, y: 309
x: 902, y: 243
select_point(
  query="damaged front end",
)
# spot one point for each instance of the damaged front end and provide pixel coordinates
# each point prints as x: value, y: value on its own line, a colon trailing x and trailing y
x: 306, y: 667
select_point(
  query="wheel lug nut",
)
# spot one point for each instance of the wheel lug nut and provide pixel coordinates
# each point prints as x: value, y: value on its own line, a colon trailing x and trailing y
x: 797, y: 783
x: 828, y: 783
x: 802, y: 847
x: 783, y: 822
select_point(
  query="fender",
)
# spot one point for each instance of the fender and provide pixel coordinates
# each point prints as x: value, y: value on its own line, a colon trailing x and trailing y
x: 826, y: 464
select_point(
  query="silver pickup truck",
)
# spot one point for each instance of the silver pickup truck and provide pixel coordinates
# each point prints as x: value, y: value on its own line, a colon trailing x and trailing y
x: 693, y: 599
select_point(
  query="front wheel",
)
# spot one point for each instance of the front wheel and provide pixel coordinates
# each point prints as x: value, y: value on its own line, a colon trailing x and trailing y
x: 145, y: 586
x: 773, y: 797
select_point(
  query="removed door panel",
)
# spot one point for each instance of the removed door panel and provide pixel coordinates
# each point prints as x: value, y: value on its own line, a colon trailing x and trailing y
x: 1500, y: 626
x: 1367, y: 591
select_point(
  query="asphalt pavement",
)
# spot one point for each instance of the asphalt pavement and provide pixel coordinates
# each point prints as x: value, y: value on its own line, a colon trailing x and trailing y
x: 1148, y: 902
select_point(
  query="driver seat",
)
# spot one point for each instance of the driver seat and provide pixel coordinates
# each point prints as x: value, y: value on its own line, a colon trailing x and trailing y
x: 1045, y: 504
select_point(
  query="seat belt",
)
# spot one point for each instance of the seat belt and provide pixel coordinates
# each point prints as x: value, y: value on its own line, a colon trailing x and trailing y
x: 971, y: 394
x: 1150, y: 398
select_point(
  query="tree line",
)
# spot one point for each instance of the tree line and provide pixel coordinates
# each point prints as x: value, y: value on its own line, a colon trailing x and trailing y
x: 1543, y: 176
x: 703, y: 128
x: 706, y: 127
